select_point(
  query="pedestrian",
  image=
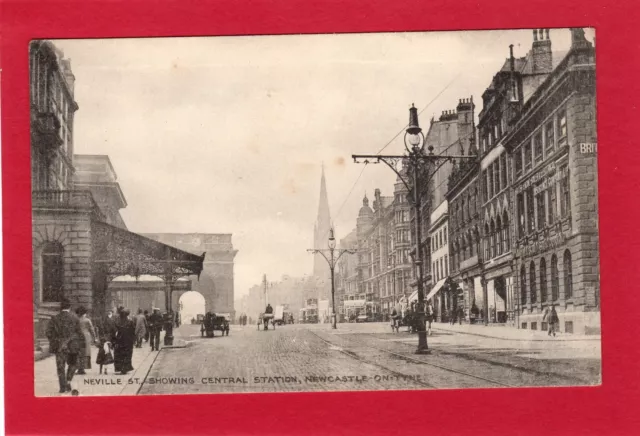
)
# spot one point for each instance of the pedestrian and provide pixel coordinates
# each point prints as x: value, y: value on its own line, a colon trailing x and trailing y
x: 124, y: 341
x: 64, y: 334
x: 155, y: 327
x: 460, y: 315
x: 146, y: 325
x: 553, y: 320
x: 105, y: 355
x: 430, y: 314
x: 141, y: 329
x: 87, y: 341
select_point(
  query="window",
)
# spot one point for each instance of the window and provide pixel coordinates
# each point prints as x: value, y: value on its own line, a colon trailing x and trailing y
x: 540, y: 207
x: 549, y: 140
x: 532, y: 285
x: 505, y: 232
x: 496, y: 176
x: 526, y: 150
x: 471, y: 248
x: 52, y: 272
x: 568, y: 279
x: 523, y: 285
x: 530, y: 210
x: 503, y: 170
x: 444, y: 234
x: 517, y: 156
x: 521, y: 219
x: 484, y: 144
x: 440, y: 239
x: 565, y: 194
x: 446, y: 265
x: 499, y: 237
x: 537, y: 147
x: 487, y: 236
x: 553, y: 207
x: 492, y: 248
x: 543, y: 280
x: 490, y: 181
x: 562, y: 127
x: 554, y: 278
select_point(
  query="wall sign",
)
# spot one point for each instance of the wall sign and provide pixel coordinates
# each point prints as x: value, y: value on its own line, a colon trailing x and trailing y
x: 538, y: 247
x: 588, y: 147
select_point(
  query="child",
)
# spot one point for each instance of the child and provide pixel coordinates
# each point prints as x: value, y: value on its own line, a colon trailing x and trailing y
x: 105, y: 356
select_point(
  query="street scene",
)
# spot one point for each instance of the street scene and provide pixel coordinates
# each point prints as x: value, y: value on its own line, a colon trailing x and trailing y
x: 311, y: 213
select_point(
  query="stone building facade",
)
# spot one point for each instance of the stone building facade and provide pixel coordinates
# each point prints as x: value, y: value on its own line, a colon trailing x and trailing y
x: 554, y: 193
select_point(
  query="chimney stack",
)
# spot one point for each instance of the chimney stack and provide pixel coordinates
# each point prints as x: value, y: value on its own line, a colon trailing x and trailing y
x: 514, y: 85
x: 541, y: 52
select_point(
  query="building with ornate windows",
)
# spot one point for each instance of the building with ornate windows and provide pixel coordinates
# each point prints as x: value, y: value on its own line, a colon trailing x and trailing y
x: 551, y: 144
x: 439, y: 295
x: 79, y: 240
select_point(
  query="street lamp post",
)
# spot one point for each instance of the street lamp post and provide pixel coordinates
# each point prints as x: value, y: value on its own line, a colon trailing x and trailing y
x: 418, y: 162
x: 330, y: 256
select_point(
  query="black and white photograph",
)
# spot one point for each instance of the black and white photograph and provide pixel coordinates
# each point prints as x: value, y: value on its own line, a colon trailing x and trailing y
x: 320, y: 212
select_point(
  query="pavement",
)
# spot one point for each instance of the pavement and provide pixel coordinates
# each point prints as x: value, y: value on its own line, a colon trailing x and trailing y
x: 95, y: 384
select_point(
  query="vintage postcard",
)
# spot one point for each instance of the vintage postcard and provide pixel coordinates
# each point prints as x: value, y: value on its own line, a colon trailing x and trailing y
x: 296, y: 213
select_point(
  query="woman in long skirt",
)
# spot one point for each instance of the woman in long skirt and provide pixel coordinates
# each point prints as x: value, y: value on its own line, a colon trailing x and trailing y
x: 89, y: 336
x: 123, y: 345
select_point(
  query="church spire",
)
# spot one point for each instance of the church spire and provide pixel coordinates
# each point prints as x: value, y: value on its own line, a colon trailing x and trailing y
x: 321, y: 231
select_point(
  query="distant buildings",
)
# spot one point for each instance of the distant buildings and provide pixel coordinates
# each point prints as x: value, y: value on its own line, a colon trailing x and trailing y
x: 514, y: 230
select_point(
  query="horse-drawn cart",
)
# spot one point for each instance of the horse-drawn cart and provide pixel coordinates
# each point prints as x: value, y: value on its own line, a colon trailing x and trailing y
x: 212, y: 322
x: 264, y: 319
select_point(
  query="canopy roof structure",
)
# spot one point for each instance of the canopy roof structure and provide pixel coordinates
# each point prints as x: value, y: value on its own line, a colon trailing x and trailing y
x: 126, y: 253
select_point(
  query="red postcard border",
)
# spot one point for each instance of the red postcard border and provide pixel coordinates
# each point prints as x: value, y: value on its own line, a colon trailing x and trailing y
x: 608, y: 409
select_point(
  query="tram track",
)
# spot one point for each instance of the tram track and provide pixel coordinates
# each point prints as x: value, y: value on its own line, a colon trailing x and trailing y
x: 406, y: 358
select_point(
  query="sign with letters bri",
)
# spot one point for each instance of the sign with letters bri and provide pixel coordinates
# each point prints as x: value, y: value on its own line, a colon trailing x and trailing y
x: 588, y: 147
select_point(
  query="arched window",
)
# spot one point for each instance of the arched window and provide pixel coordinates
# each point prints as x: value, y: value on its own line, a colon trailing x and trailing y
x: 568, y: 279
x: 471, y: 244
x: 487, y: 236
x: 523, y: 285
x: 505, y: 232
x: 532, y: 285
x: 543, y: 280
x: 462, y: 207
x: 492, y: 253
x: 52, y: 272
x: 499, y: 236
x: 555, y: 284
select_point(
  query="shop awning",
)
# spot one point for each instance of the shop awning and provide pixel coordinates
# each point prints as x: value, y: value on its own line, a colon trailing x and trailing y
x: 434, y: 291
x: 436, y: 288
x: 122, y: 252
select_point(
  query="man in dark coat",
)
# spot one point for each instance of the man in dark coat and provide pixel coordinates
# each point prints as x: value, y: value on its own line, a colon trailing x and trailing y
x: 155, y: 327
x: 64, y: 334
x: 108, y: 327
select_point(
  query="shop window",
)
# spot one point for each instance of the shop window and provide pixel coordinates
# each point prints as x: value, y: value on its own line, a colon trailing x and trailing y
x: 532, y: 284
x: 540, y: 207
x: 523, y: 285
x: 526, y: 150
x: 555, y: 283
x: 523, y: 325
x: 568, y: 326
x: 543, y: 280
x: 568, y: 278
x: 537, y: 147
x: 549, y: 140
x: 534, y: 326
x: 52, y: 272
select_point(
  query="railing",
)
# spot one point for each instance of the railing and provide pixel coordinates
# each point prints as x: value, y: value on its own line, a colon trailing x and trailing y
x: 65, y: 200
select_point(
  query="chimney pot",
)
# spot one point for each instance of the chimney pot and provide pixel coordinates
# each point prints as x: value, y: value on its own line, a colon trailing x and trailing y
x: 535, y: 35
x: 547, y: 32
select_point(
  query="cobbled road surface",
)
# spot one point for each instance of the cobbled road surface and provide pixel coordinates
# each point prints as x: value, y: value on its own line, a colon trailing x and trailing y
x: 299, y: 358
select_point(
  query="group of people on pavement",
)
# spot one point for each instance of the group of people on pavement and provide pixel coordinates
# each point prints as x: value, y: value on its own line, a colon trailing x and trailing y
x: 72, y: 334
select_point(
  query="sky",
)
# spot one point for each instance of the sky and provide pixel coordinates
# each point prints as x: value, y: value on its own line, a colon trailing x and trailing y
x: 228, y: 134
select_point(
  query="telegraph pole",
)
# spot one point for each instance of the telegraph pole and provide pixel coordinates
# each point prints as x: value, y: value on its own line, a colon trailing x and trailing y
x: 416, y: 162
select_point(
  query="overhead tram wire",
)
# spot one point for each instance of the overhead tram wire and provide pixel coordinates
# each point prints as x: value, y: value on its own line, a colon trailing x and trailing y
x: 422, y: 110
